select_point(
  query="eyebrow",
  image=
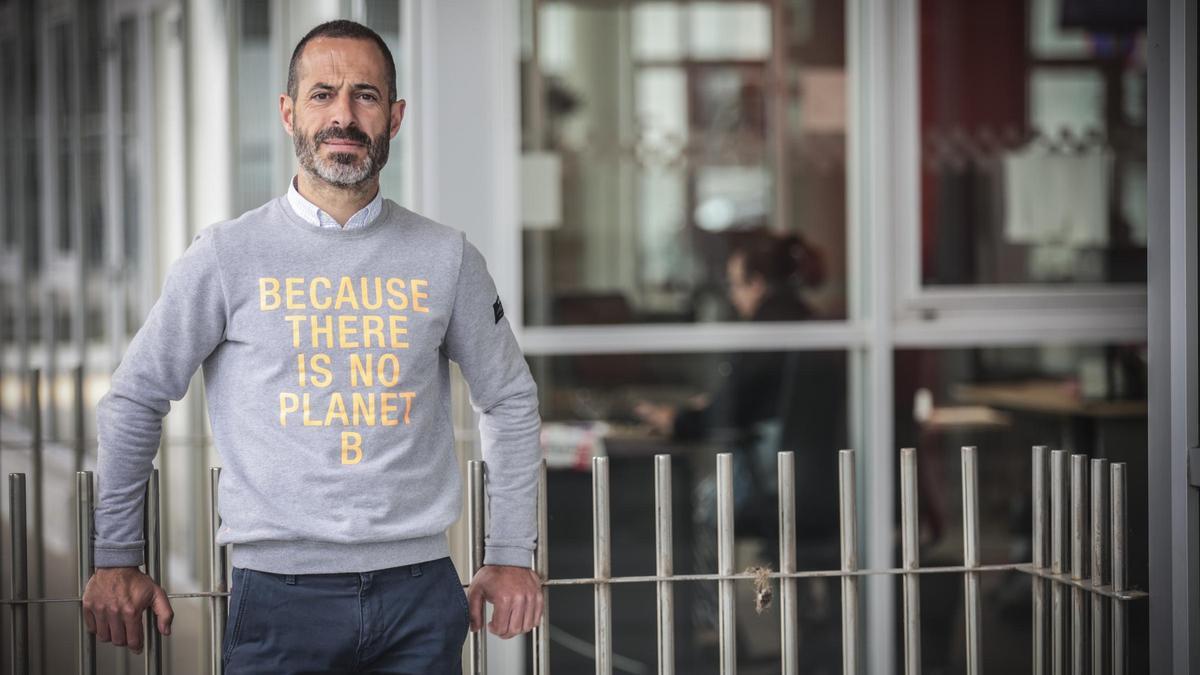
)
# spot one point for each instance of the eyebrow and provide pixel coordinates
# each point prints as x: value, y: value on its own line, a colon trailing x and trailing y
x: 361, y: 86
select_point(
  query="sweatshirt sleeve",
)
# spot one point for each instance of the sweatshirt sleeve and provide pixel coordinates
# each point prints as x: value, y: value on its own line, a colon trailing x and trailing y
x: 184, y: 326
x: 481, y: 341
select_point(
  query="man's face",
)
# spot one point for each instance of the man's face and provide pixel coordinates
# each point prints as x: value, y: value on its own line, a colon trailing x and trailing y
x: 341, y: 123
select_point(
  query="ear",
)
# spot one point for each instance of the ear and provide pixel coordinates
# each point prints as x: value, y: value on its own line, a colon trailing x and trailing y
x: 397, y: 115
x: 287, y: 112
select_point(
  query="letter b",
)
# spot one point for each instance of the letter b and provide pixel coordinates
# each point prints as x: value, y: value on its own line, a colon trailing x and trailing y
x: 351, y: 443
x: 268, y: 293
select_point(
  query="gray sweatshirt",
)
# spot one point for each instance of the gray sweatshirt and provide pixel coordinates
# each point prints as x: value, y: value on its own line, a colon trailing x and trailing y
x: 326, y: 368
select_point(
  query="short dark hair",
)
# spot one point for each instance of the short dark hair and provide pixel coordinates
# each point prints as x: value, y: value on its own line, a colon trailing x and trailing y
x: 341, y: 28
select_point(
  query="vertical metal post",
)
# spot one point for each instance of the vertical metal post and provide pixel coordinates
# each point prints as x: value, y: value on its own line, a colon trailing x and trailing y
x: 1058, y: 472
x: 19, y: 573
x: 477, y: 648
x: 1079, y: 489
x: 219, y: 581
x: 727, y: 624
x: 602, y: 564
x: 789, y: 654
x: 1120, y: 660
x: 664, y: 563
x: 39, y: 531
x: 1039, y: 559
x: 153, y: 656
x: 848, y: 510
x: 970, y: 506
x: 1099, y: 512
x: 910, y: 554
x: 541, y: 632
x: 84, y: 508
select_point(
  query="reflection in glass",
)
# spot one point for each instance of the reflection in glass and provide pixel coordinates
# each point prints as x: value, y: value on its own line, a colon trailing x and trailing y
x: 751, y: 404
x: 256, y: 114
x: 672, y: 129
x: 8, y: 118
x: 130, y: 151
x: 1033, y: 142
x: 65, y: 101
x: 1085, y: 399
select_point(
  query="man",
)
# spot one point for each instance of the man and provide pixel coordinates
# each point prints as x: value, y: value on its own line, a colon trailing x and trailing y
x: 324, y: 321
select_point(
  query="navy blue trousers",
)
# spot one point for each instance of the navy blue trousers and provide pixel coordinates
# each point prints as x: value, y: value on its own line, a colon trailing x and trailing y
x: 409, y: 620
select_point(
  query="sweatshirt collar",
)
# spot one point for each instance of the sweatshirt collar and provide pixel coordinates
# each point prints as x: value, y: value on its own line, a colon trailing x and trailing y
x: 313, y: 215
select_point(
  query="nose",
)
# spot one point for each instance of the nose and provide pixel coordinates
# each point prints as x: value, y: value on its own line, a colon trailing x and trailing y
x: 342, y: 110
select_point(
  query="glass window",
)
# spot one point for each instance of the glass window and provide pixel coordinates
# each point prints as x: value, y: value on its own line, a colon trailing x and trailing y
x: 94, y: 72
x: 751, y: 404
x: 1003, y: 401
x: 256, y: 114
x: 12, y: 151
x: 383, y: 17
x: 658, y: 135
x: 63, y: 74
x: 1033, y: 143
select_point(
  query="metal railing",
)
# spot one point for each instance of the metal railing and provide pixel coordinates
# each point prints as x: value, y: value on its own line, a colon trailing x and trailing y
x: 1085, y: 556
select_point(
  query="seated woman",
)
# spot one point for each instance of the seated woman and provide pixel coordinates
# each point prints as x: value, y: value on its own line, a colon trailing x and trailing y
x: 766, y: 402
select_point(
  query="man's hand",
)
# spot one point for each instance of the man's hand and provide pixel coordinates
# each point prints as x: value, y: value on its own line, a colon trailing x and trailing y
x: 515, y: 592
x: 113, y: 603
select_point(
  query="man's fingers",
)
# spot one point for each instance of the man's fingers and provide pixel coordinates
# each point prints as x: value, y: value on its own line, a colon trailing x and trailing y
x: 89, y: 620
x: 116, y: 629
x: 533, y: 605
x: 163, y: 611
x: 475, y: 606
x: 533, y: 611
x: 102, y: 632
x: 133, y: 629
x: 501, y: 609
x: 516, y: 617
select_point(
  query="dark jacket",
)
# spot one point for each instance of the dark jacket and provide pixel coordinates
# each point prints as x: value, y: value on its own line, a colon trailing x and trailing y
x: 805, y: 392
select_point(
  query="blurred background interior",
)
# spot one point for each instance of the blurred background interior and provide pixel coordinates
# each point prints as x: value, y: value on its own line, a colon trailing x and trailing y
x: 941, y: 204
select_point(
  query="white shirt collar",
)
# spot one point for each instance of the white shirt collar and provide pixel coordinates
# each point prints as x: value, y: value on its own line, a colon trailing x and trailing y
x: 313, y: 214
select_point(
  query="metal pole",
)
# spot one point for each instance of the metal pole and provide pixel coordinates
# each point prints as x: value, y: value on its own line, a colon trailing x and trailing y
x: 1058, y: 472
x: 1039, y: 559
x: 602, y: 565
x: 1120, y: 661
x: 477, y: 647
x: 219, y: 581
x: 84, y: 507
x: 910, y: 553
x: 786, y: 470
x: 970, y: 506
x: 39, y: 531
x: 664, y: 564
x: 1078, y: 562
x: 153, y: 656
x: 848, y: 510
x: 728, y: 617
x: 1099, y: 514
x: 541, y: 632
x: 19, y: 572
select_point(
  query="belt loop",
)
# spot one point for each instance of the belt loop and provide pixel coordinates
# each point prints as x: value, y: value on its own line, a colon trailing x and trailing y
x: 415, y: 569
x: 289, y: 579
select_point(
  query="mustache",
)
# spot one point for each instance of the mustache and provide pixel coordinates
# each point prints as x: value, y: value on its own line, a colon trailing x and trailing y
x: 347, y: 134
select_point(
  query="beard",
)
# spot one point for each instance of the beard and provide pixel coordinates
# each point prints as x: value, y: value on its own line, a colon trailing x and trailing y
x: 341, y: 169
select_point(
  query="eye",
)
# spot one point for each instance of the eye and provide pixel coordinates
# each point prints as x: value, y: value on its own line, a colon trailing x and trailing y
x: 319, y: 95
x: 368, y: 96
